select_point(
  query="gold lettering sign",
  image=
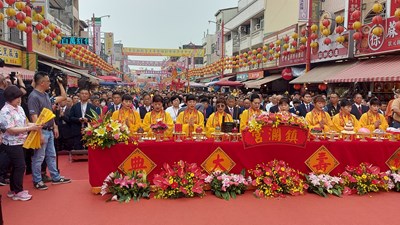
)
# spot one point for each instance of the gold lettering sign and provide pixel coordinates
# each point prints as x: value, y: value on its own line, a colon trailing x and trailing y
x: 322, y: 161
x: 137, y: 161
x: 10, y: 55
x: 218, y: 160
x: 394, y: 161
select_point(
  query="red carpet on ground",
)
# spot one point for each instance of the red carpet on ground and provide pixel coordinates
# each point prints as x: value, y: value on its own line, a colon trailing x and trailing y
x: 74, y: 204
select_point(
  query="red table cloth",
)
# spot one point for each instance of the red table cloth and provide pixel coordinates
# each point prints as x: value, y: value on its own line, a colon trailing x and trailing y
x: 104, y: 161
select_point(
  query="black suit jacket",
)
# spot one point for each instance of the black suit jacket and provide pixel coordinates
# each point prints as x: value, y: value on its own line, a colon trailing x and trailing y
x: 332, y: 110
x: 111, y: 108
x: 356, y: 113
x: 302, y: 109
x: 236, y: 112
x: 143, y: 111
x: 274, y: 109
x: 75, y: 114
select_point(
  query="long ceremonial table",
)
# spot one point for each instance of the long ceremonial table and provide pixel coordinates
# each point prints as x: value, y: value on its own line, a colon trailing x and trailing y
x: 104, y: 161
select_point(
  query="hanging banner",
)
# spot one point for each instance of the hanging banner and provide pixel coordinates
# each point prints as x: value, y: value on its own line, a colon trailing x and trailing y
x: 42, y: 47
x: 109, y: 44
x: 372, y: 44
x: 164, y: 52
x: 218, y: 43
x: 350, y: 7
x: 97, y: 34
x: 10, y: 56
x: 303, y: 10
x: 394, y: 4
x: 160, y: 72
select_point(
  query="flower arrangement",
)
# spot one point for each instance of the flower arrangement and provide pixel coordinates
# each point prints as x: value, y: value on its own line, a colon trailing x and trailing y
x: 123, y: 188
x: 180, y: 180
x: 394, y: 181
x: 364, y: 178
x: 276, y: 178
x: 158, y: 127
x: 227, y: 186
x: 324, y: 184
x: 104, y: 132
x: 276, y: 119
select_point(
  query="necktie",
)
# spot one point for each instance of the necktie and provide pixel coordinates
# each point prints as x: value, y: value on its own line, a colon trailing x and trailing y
x: 231, y: 111
x: 359, y: 109
x: 308, y: 107
x: 116, y: 107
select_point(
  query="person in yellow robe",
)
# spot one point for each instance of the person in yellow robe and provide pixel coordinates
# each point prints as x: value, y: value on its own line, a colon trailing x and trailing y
x: 340, y: 119
x: 127, y: 115
x: 215, y: 119
x: 373, y: 120
x: 251, y: 113
x: 190, y: 118
x: 318, y: 118
x: 156, y: 115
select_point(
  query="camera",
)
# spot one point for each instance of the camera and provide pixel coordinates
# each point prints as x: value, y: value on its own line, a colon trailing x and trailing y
x: 60, y: 77
x: 13, y: 77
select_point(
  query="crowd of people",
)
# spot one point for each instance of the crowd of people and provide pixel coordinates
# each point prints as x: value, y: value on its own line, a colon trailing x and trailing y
x: 205, y: 110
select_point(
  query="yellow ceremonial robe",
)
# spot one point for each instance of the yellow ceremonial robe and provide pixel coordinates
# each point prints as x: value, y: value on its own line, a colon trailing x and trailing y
x: 340, y: 120
x: 368, y: 120
x: 130, y: 117
x: 153, y: 117
x: 246, y: 116
x: 215, y: 120
x: 314, y: 117
x: 184, y: 118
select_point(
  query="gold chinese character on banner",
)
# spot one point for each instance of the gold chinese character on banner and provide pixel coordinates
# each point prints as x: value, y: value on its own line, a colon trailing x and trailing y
x: 218, y: 160
x: 137, y: 161
x: 322, y: 160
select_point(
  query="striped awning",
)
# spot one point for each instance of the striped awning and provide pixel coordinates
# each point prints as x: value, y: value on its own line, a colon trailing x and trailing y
x: 65, y: 71
x: 371, y: 70
x: 26, y: 74
x: 257, y: 83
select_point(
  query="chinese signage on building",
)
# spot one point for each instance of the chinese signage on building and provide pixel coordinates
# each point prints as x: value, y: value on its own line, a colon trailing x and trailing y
x: 10, y: 55
x: 334, y: 50
x: 242, y: 77
x: 256, y: 75
x: 351, y: 6
x: 371, y: 44
x: 164, y: 52
x: 43, y: 47
x: 109, y: 44
x: 74, y: 41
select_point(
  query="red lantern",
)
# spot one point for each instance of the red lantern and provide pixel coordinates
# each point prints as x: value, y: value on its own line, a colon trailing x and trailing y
x: 303, y: 31
x: 258, y: 61
x: 377, y: 19
x: 339, y: 29
x: 45, y: 22
x: 278, y: 49
x: 357, y: 36
x: 322, y: 87
x: 327, y: 41
x: 294, y: 43
x: 271, y: 58
x: 264, y: 54
x: 296, y: 86
x: 53, y: 35
x: 271, y: 45
x: 11, y: 23
x: 59, y: 46
x: 314, y: 36
x: 397, y: 26
x: 28, y: 30
x: 10, y: 2
x: 57, y: 30
x: 27, y: 10
x: 326, y: 22
x: 48, y: 39
x: 39, y: 26
x: 1, y: 5
x: 286, y: 39
x: 356, y: 14
x: 287, y: 73
x: 285, y: 53
x: 259, y: 49
x: 302, y: 48
x: 20, y: 16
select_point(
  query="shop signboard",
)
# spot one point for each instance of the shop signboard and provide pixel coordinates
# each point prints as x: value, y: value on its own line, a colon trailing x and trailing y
x: 74, y: 41
x: 394, y: 4
x: 242, y: 77
x: 270, y: 39
x: 256, y: 75
x: 11, y: 56
x: 372, y: 44
x: 42, y: 47
x: 290, y: 59
x: 333, y: 51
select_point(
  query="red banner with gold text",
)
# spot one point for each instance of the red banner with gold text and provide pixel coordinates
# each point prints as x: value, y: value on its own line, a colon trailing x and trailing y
x: 282, y: 135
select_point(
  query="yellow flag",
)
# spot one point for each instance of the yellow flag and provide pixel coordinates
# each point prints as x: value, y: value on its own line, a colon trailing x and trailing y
x: 33, y: 140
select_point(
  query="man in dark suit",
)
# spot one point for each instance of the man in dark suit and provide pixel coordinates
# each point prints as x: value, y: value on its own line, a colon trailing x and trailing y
x: 333, y: 107
x: 206, y: 109
x: 357, y: 109
x: 146, y: 107
x: 306, y: 106
x: 79, y: 116
x: 246, y: 105
x: 232, y: 108
x: 64, y: 141
x: 116, y: 104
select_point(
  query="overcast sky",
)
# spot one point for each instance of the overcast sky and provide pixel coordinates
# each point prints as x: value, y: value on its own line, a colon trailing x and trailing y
x: 155, y: 23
